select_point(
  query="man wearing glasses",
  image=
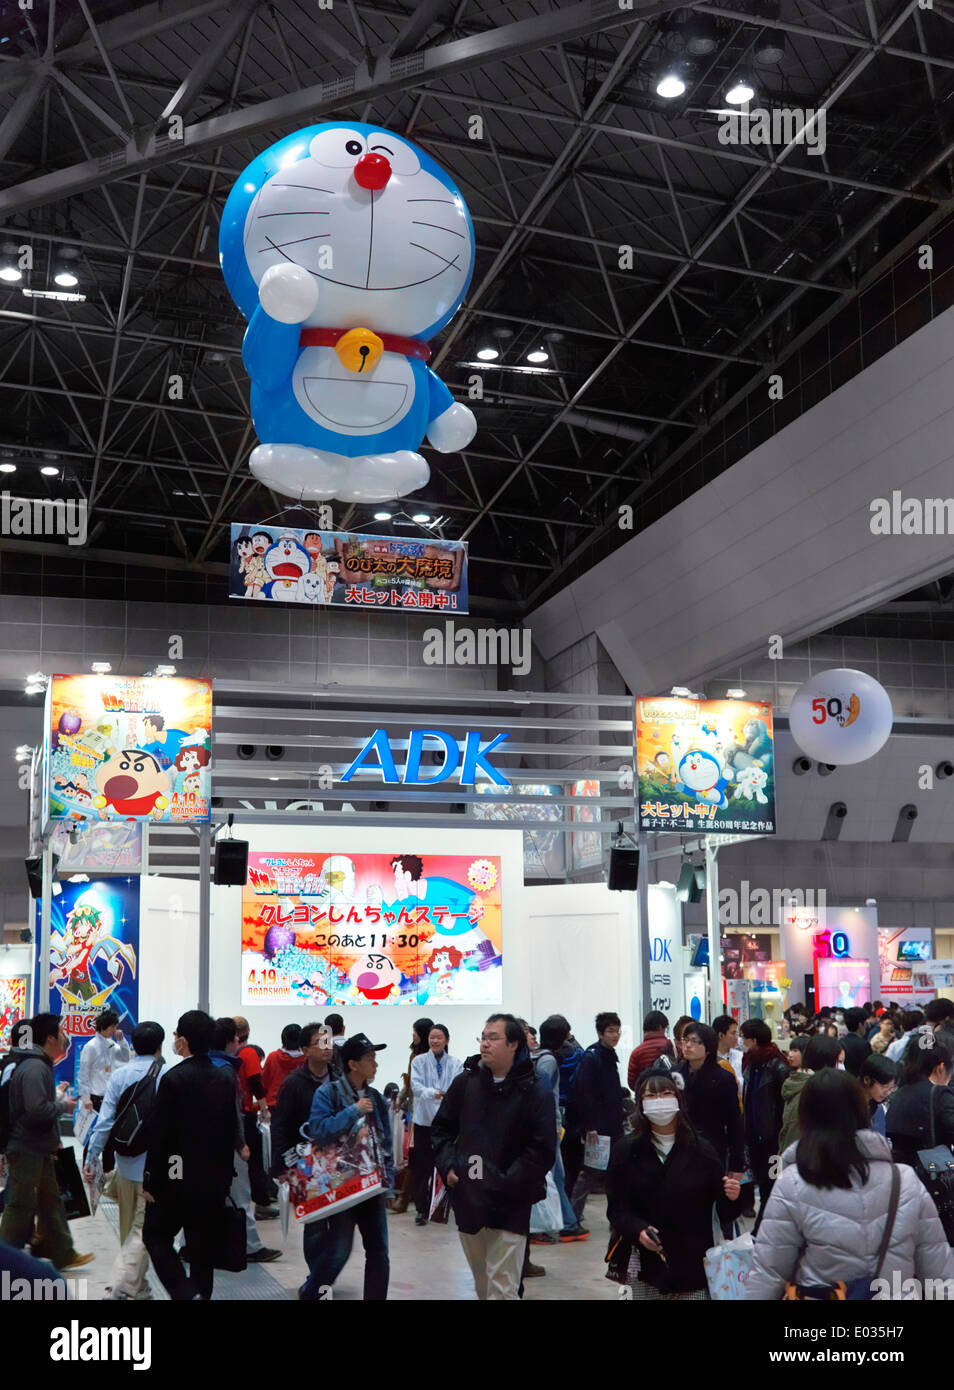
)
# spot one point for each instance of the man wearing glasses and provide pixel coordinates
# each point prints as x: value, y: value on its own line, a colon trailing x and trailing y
x: 494, y: 1141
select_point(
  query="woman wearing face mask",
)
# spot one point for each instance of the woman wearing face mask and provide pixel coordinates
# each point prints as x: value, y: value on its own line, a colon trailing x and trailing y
x: 821, y: 1052
x: 663, y: 1180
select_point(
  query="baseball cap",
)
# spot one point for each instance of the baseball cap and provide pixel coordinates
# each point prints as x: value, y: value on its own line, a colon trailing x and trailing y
x: 357, y: 1047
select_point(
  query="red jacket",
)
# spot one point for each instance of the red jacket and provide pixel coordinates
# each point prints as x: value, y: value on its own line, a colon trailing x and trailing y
x: 652, y: 1047
x: 277, y: 1066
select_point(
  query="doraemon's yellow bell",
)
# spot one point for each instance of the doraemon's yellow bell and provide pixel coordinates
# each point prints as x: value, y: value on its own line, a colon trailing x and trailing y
x: 359, y: 349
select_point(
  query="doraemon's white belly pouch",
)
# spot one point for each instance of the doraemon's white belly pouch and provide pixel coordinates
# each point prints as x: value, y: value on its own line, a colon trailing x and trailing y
x: 348, y: 402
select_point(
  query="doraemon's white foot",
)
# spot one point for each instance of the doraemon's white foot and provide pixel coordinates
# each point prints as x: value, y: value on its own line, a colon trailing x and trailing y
x: 319, y: 474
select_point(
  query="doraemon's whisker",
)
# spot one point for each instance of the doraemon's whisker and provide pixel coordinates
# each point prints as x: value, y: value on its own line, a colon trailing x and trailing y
x: 438, y: 228
x: 310, y: 187
x: 295, y: 212
x: 448, y: 201
x: 428, y: 250
x: 277, y: 245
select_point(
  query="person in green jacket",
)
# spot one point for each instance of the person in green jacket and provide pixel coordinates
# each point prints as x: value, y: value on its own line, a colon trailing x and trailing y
x: 821, y: 1052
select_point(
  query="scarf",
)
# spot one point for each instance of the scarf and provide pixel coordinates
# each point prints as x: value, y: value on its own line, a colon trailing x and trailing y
x: 759, y: 1056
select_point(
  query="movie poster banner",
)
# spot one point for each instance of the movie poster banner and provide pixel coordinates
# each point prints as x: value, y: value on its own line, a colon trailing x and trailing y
x: 99, y: 847
x: 543, y: 851
x: 94, y: 960
x: 371, y: 929
x: 13, y: 1006
x: 338, y: 569
x: 328, y: 1179
x: 705, y: 765
x: 129, y: 748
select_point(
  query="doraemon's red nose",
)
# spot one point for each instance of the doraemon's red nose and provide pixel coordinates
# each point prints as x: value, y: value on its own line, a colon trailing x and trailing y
x: 372, y: 171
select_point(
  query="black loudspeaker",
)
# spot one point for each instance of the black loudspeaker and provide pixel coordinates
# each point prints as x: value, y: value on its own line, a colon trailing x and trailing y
x: 623, y: 870
x: 231, y: 863
x: 691, y: 885
x: 34, y: 873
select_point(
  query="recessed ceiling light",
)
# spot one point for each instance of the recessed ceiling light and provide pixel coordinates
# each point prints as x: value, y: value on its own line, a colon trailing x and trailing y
x: 739, y: 93
x: 670, y: 85
x: 487, y: 354
x: 538, y: 355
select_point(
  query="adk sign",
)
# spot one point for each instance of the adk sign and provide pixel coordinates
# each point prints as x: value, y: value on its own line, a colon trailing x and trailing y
x: 667, y: 989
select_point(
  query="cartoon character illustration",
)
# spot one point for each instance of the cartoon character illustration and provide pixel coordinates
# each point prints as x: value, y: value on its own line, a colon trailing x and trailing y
x: 191, y: 757
x: 347, y: 248
x: 193, y: 784
x: 463, y: 907
x: 375, y: 977
x: 286, y: 562
x: 443, y: 963
x: 700, y: 776
x: 336, y: 882
x: 663, y: 764
x: 758, y: 745
x: 85, y: 939
x: 246, y: 553
x: 315, y: 587
x: 256, y: 575
x: 164, y: 744
x: 132, y: 784
x: 750, y: 783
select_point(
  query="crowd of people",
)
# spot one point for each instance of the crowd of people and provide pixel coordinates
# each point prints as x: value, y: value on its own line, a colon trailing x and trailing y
x: 828, y: 1137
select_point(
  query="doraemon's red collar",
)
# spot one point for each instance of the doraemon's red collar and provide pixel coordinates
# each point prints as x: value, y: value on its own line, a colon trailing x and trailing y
x: 393, y: 342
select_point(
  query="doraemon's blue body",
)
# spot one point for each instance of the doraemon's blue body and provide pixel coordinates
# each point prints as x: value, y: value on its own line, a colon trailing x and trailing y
x: 307, y: 216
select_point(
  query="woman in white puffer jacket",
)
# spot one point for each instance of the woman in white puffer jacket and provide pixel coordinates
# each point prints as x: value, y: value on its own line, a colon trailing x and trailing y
x: 825, y: 1218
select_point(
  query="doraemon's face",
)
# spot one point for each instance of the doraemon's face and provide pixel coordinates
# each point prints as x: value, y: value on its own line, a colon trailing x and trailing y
x: 699, y: 770
x: 374, y: 219
x: 287, y: 559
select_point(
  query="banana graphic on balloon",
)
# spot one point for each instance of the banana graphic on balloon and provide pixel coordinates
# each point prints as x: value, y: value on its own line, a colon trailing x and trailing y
x: 854, y: 709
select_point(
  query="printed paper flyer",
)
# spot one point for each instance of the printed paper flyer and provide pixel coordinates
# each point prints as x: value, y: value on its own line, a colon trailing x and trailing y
x: 94, y: 960
x: 705, y: 765
x: 130, y: 749
x: 371, y: 929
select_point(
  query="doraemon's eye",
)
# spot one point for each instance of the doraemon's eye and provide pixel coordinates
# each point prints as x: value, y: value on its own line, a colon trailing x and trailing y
x: 353, y: 147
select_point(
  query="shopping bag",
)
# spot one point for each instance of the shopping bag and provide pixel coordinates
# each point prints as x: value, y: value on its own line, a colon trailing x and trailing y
x: 83, y: 1121
x: 329, y: 1178
x: 440, y: 1201
x: 727, y: 1265
x: 284, y: 1206
x: 70, y: 1182
x: 547, y: 1215
x: 596, y: 1154
x: 265, y: 1130
x: 231, y: 1245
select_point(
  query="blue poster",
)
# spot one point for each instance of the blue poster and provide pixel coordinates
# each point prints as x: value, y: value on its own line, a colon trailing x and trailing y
x: 94, y: 960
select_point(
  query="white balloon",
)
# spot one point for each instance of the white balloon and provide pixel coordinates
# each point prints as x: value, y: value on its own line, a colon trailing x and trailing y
x: 841, y: 717
x: 453, y: 430
x: 288, y: 293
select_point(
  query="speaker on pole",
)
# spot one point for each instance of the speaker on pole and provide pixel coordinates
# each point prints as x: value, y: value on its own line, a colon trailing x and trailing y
x: 623, y: 869
x: 231, y: 863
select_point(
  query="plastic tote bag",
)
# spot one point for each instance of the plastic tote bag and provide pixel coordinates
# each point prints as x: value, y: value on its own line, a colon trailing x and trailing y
x: 727, y: 1266
x: 597, y: 1152
x: 332, y: 1177
x: 547, y: 1216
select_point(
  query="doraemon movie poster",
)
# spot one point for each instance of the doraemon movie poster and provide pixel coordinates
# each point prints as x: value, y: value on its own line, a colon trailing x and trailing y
x: 129, y: 748
x: 705, y: 765
x: 94, y: 960
x: 336, y: 569
x: 373, y: 929
x: 347, y: 248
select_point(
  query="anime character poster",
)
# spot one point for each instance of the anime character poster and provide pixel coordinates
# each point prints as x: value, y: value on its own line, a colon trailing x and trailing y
x: 341, y: 570
x: 94, y: 960
x: 543, y: 849
x: 705, y: 765
x: 13, y: 1006
x: 586, y: 846
x: 328, y: 1179
x: 130, y: 749
x: 99, y: 847
x: 373, y: 929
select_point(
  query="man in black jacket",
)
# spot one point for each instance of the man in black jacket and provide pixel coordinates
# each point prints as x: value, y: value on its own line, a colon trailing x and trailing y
x: 297, y: 1092
x: 856, y: 1046
x: 194, y: 1132
x: 494, y: 1141
x: 596, y: 1104
x: 33, y: 1192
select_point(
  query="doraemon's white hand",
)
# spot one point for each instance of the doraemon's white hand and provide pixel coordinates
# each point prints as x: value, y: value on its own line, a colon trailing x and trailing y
x: 452, y: 430
x: 288, y: 293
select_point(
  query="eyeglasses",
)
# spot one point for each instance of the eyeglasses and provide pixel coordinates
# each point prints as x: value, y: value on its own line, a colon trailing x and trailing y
x: 483, y: 1038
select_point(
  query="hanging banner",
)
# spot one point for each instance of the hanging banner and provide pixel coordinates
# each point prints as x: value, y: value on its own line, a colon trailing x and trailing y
x: 13, y: 1006
x: 586, y: 846
x: 341, y: 570
x: 94, y: 960
x: 705, y: 765
x: 543, y: 849
x: 126, y: 749
x: 371, y: 929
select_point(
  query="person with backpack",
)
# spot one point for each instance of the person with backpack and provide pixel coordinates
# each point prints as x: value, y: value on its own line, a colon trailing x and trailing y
x: 842, y: 1210
x: 554, y: 1032
x: 29, y: 1136
x: 596, y: 1106
x: 122, y: 1120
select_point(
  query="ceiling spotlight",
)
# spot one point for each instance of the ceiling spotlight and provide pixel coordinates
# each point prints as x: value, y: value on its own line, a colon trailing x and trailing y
x: 11, y: 274
x: 801, y: 765
x: 488, y: 354
x: 735, y: 694
x: 670, y: 85
x: 770, y: 47
x: 826, y: 769
x: 165, y: 670
x: 682, y: 690
x: 502, y: 332
x: 740, y: 93
x: 538, y: 355
x: 101, y: 668
x: 382, y: 516
x: 421, y: 518
x: 34, y: 689
x: 37, y: 678
x: 8, y: 468
x: 24, y: 751
x: 701, y: 36
x: 49, y: 471
x: 65, y: 279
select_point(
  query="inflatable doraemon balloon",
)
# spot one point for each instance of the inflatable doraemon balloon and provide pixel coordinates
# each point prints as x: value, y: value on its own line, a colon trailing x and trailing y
x: 347, y: 248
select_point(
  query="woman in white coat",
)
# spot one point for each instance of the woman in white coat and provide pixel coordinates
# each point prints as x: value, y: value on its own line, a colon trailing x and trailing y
x: 431, y: 1075
x: 825, y: 1218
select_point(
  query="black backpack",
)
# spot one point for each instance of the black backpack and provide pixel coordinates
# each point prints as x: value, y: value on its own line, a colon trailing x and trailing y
x: 135, y: 1105
x: 7, y: 1065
